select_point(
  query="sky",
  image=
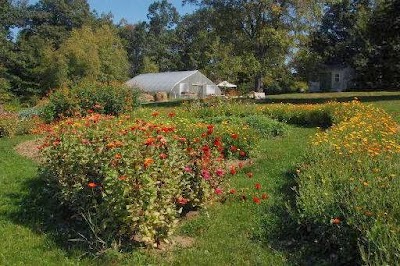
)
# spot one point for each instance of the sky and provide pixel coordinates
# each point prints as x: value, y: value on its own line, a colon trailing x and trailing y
x: 131, y: 10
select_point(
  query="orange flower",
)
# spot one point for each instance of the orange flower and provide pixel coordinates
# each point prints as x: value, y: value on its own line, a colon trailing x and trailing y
x: 234, y: 136
x: 122, y: 177
x: 92, y: 185
x: 148, y: 162
x: 335, y: 221
x: 118, y: 156
x: 264, y: 196
x: 149, y: 141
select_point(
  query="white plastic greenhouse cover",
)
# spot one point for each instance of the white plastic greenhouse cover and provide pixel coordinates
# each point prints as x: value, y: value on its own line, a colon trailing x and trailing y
x: 155, y: 82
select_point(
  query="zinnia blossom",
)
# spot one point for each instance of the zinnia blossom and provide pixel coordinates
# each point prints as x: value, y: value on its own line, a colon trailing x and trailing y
x: 205, y: 174
x: 148, y: 162
x: 218, y: 191
x: 92, y: 185
x: 219, y: 172
x: 256, y: 200
x: 163, y: 156
x: 257, y: 186
x: 250, y: 174
x: 182, y: 201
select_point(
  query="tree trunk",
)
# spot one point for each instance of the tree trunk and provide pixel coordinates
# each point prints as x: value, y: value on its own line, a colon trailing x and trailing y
x: 258, y: 84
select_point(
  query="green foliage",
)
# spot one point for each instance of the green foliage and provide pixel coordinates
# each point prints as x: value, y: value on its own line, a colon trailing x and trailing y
x: 88, y: 55
x: 90, y: 97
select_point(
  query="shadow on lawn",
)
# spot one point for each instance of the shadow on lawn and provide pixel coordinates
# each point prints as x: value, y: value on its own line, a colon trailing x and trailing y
x: 306, y: 243
x: 38, y: 209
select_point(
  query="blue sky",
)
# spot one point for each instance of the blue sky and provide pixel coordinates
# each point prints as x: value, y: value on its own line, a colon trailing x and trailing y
x: 132, y: 10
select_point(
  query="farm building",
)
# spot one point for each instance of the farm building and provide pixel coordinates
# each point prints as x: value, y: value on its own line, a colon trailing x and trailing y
x: 333, y: 78
x: 181, y: 84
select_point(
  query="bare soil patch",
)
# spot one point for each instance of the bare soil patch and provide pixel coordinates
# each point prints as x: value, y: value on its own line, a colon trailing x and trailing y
x: 30, y: 149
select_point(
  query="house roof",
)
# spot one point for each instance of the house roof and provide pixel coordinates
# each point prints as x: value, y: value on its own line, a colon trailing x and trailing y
x: 159, y: 81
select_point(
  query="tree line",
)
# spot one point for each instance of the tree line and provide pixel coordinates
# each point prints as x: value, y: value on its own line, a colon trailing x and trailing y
x: 277, y: 45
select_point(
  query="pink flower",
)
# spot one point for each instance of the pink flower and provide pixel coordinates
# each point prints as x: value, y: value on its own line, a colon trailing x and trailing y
x: 219, y: 172
x: 188, y: 169
x: 218, y: 191
x: 182, y: 201
x: 205, y: 174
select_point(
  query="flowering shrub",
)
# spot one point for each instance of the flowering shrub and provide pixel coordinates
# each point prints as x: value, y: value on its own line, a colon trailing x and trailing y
x: 348, y: 185
x: 132, y: 177
x: 87, y: 98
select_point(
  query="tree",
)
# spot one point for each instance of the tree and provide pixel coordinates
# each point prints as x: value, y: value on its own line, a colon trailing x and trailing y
x: 341, y: 34
x: 262, y: 28
x: 381, y: 68
x: 94, y: 55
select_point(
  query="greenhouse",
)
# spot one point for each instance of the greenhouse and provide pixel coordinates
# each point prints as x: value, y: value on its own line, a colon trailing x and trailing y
x: 181, y: 84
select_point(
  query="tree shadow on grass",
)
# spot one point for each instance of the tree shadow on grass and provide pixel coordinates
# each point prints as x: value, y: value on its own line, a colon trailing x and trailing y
x: 306, y: 243
x: 37, y: 208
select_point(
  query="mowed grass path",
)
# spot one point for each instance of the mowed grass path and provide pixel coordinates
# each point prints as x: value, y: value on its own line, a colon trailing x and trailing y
x: 230, y: 233
x: 224, y: 234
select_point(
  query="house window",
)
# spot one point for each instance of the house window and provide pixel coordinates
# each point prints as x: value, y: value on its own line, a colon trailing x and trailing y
x: 337, y: 78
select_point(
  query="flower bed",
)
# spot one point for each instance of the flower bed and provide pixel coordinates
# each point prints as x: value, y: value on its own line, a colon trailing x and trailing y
x: 348, y: 186
x: 130, y: 179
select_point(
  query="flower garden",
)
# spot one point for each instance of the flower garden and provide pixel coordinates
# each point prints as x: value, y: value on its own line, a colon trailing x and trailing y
x: 128, y: 180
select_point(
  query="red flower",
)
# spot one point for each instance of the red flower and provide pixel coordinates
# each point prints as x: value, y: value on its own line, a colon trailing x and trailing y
x: 232, y: 191
x: 250, y: 174
x: 233, y: 170
x: 242, y: 153
x: 335, y: 221
x: 218, y: 142
x: 163, y: 156
x: 257, y: 186
x: 234, y: 149
x: 234, y: 136
x: 210, y: 129
x: 182, y: 201
x: 218, y: 191
x: 172, y: 114
x: 122, y: 177
x: 92, y: 185
x: 256, y: 200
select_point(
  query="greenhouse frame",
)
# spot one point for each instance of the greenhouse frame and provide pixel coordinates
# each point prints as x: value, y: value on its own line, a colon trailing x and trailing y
x: 180, y: 84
